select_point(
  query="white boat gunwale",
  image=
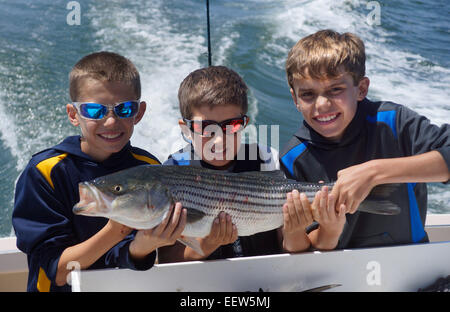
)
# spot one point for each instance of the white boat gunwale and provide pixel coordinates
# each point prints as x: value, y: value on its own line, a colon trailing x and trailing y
x: 14, y: 269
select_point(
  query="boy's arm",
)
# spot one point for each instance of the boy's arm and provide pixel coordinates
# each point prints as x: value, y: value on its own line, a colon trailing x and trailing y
x: 89, y: 251
x: 41, y: 223
x: 426, y: 150
x: 143, y: 244
x: 355, y: 183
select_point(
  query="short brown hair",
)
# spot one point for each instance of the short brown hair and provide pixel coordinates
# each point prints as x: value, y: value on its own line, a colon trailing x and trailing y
x: 104, y: 66
x: 212, y: 86
x: 323, y: 54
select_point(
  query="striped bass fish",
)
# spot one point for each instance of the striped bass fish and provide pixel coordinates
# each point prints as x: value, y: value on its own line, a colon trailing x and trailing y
x: 140, y: 197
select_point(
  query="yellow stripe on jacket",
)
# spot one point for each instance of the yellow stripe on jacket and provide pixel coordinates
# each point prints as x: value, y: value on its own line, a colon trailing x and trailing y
x: 149, y: 160
x: 43, y: 282
x: 46, y: 166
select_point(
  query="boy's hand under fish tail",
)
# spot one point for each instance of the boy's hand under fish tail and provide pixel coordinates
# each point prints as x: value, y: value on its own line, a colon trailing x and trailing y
x: 296, y: 217
x: 166, y: 233
x: 331, y: 220
x: 296, y: 212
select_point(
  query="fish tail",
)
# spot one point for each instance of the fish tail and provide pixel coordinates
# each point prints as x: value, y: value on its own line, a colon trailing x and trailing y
x: 379, y: 201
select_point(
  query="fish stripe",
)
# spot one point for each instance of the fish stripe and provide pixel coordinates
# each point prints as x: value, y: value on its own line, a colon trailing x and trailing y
x: 214, y: 185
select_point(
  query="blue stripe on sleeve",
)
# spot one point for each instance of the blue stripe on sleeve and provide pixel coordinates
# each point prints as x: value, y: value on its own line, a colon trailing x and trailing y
x: 289, y: 158
x: 387, y: 117
x: 182, y: 159
x: 417, y: 231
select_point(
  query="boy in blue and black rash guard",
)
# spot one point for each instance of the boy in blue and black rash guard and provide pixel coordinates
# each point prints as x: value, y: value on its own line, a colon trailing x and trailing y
x: 359, y: 144
x: 105, y: 88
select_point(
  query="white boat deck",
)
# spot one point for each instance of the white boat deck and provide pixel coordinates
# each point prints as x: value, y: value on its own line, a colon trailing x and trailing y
x: 401, y: 268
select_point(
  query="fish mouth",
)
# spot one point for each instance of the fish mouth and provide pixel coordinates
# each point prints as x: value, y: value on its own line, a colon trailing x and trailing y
x: 92, y: 202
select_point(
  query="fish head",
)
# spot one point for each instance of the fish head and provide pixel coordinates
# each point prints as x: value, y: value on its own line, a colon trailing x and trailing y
x: 127, y: 196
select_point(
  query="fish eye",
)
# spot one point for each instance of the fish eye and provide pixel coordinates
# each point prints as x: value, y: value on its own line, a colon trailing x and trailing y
x: 118, y: 188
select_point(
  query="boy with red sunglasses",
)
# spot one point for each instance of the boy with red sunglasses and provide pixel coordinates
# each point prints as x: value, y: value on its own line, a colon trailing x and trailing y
x: 105, y: 89
x: 213, y: 104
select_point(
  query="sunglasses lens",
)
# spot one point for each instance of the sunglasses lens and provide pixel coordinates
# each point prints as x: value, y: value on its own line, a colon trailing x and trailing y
x: 229, y: 126
x: 126, y: 109
x: 93, y: 110
x: 233, y: 125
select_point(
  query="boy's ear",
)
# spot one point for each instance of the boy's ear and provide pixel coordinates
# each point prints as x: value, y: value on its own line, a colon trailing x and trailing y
x: 184, y: 129
x: 141, y: 112
x: 363, y: 88
x: 72, y: 115
x: 294, y: 98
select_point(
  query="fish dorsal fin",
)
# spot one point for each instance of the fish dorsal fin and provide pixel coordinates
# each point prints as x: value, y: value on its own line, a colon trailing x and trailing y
x: 274, y: 174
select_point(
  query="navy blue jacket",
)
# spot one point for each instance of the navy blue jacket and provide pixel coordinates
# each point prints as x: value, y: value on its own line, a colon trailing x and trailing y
x: 263, y: 243
x: 378, y: 130
x: 43, y: 220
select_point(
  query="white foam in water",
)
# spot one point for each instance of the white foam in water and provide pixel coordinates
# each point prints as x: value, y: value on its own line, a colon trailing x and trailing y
x: 440, y: 197
x: 395, y: 75
x: 163, y: 57
x: 8, y: 132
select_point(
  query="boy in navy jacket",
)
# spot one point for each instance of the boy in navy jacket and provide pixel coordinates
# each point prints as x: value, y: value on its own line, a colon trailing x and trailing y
x: 105, y: 90
x: 213, y: 104
x: 359, y: 144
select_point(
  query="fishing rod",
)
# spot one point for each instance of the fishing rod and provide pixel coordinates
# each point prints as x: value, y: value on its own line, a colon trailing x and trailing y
x: 209, y: 33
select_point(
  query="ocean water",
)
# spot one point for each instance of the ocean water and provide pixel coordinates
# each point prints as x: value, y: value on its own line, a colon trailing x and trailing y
x: 407, y: 46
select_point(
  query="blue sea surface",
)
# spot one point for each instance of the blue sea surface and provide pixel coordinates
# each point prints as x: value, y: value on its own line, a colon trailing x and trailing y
x: 407, y: 46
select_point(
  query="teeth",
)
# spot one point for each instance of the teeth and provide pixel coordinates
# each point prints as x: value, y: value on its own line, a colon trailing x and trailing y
x: 327, y: 118
x: 110, y: 136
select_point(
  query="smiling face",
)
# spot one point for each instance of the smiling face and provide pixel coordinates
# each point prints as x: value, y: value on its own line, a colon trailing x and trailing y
x: 101, y: 138
x: 217, y: 149
x: 329, y: 105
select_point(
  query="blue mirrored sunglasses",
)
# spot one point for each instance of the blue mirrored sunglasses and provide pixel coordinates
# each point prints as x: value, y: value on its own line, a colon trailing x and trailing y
x: 98, y: 111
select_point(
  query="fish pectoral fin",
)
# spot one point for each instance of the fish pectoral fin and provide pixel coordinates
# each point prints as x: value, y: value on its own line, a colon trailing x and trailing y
x: 192, y: 243
x: 194, y: 215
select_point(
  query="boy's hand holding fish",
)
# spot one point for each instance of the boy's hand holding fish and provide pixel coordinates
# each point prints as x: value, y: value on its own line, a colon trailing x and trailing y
x: 331, y: 220
x: 298, y: 213
x: 223, y: 232
x: 164, y: 234
x: 296, y: 217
